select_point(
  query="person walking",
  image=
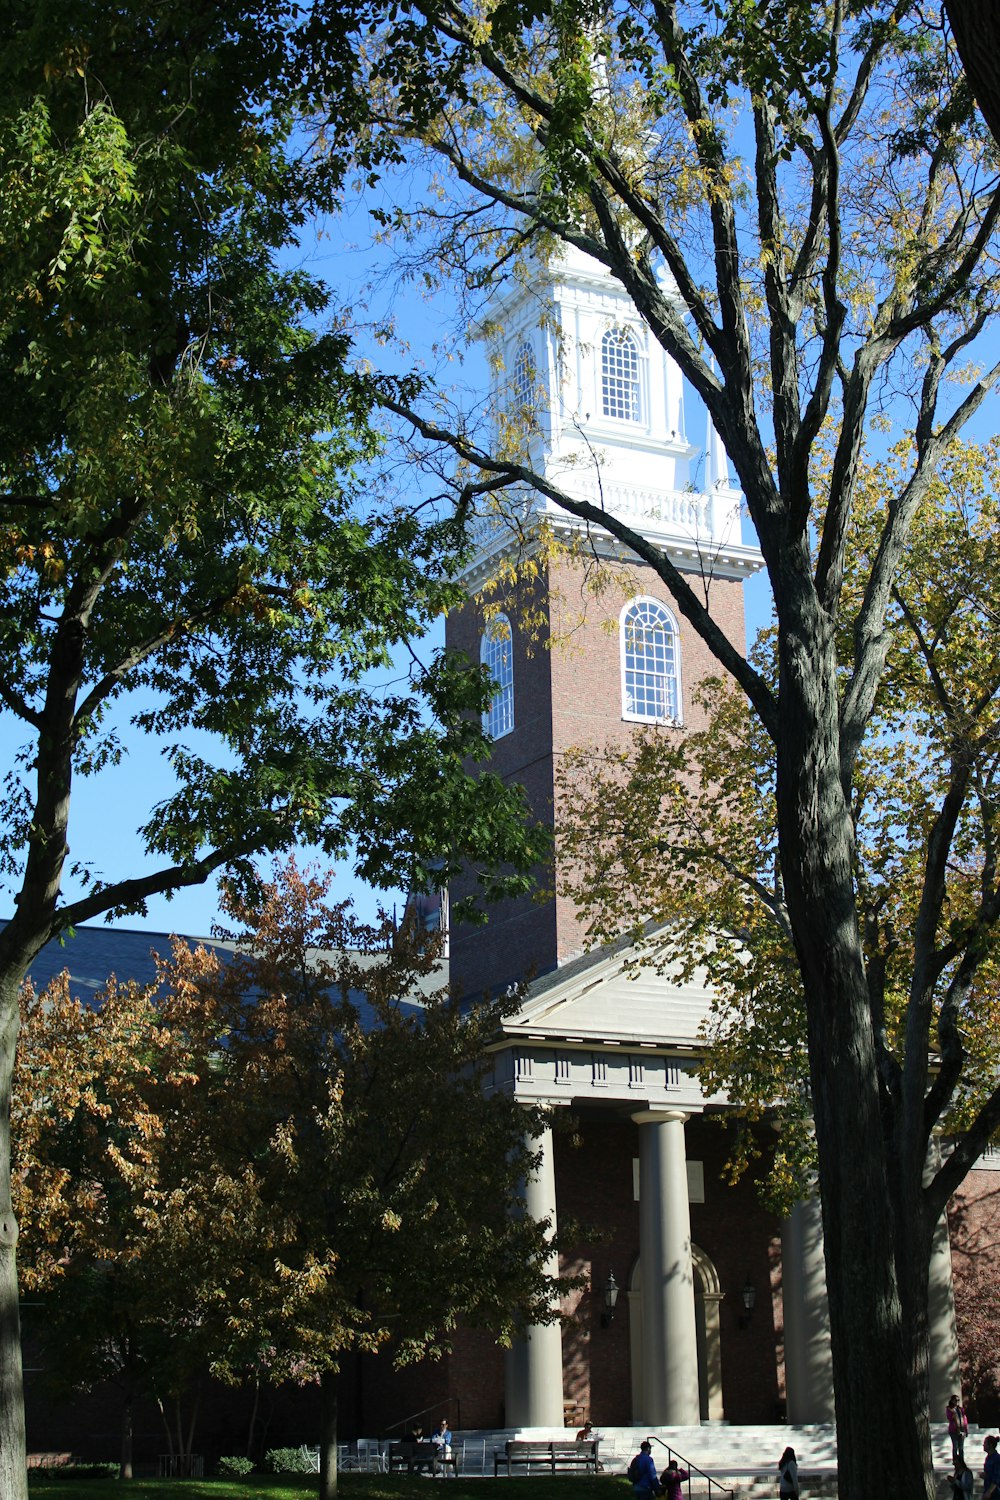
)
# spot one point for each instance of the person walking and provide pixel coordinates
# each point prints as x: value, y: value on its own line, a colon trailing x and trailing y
x: 642, y: 1472
x: 961, y: 1480
x: 671, y: 1480
x: 788, y: 1476
x: 958, y: 1427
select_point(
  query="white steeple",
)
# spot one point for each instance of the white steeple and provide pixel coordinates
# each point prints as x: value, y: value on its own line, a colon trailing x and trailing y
x: 597, y: 406
x: 716, y: 460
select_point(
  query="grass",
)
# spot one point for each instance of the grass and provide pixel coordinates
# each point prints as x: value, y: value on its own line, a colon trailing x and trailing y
x: 352, y: 1487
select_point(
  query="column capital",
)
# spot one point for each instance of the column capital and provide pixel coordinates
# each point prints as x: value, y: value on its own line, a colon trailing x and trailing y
x: 660, y: 1116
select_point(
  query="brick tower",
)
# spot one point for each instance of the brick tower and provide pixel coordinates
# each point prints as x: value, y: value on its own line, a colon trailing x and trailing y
x: 603, y: 411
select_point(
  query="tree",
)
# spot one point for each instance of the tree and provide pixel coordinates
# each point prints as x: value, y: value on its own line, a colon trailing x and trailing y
x: 674, y: 843
x: 296, y: 1154
x: 803, y: 209
x: 185, y: 545
x: 103, y: 1092
x: 351, y: 1119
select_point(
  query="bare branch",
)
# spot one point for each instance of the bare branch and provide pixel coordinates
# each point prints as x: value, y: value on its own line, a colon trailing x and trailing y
x: 512, y: 473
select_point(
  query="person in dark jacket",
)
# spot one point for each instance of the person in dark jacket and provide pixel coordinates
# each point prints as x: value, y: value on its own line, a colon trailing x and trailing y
x: 642, y: 1472
x: 788, y: 1476
x: 672, y: 1478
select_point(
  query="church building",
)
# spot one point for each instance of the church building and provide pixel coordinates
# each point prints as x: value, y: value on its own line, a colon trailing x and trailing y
x: 700, y: 1305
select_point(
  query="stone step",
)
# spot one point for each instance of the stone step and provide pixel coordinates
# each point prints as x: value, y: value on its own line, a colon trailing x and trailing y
x: 744, y: 1458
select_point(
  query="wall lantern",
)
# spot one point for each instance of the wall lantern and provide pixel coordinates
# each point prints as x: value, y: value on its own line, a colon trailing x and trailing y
x: 610, y: 1300
x: 749, y: 1297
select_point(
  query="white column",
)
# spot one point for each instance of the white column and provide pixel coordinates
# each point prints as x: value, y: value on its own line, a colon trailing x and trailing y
x: 808, y: 1358
x: 710, y: 1356
x: 534, y: 1367
x: 942, y: 1329
x: 674, y: 399
x: 945, y: 1377
x: 669, y: 1343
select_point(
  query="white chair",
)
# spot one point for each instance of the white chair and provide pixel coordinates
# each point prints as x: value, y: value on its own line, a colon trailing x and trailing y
x: 370, y: 1456
x: 473, y: 1456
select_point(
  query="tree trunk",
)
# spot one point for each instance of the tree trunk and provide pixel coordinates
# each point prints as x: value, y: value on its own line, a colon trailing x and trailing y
x: 125, y: 1463
x: 253, y: 1416
x: 328, y: 1435
x: 976, y: 25
x: 13, y: 1464
x: 189, y: 1435
x: 166, y: 1427
x: 864, y: 1183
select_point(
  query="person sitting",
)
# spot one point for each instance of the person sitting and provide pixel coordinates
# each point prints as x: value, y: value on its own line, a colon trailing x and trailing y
x: 587, y: 1434
x: 441, y: 1438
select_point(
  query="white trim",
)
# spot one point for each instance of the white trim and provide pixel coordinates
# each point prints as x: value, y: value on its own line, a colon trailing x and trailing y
x: 616, y: 387
x: 498, y: 718
x: 629, y: 714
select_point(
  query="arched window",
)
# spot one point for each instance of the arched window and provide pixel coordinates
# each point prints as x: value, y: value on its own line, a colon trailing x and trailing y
x: 524, y: 380
x: 496, y: 653
x: 621, y: 376
x: 651, y: 667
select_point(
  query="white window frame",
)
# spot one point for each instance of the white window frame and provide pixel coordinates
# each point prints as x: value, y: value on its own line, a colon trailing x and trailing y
x: 660, y: 705
x: 617, y: 388
x: 496, y: 651
x: 524, y: 378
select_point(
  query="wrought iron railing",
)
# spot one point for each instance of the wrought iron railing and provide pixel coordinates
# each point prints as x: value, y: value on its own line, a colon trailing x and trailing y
x: 715, y: 1488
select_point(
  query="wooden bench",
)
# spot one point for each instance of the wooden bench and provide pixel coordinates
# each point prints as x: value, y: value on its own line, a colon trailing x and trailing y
x: 416, y: 1456
x: 552, y: 1456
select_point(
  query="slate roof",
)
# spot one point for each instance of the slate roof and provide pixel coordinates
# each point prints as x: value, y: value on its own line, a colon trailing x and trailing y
x: 93, y: 953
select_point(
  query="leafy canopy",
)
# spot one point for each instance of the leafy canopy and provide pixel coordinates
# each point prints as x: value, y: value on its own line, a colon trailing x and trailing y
x: 679, y: 833
x: 189, y: 543
x: 272, y: 1157
x: 802, y: 207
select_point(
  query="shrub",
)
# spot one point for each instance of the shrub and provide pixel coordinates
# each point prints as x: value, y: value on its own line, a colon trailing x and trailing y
x: 288, y: 1461
x: 236, y: 1466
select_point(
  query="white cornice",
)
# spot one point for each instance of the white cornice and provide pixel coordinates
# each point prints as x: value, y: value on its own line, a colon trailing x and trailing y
x: 732, y: 561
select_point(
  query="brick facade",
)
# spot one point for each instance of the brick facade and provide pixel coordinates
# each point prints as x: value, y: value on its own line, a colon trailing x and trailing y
x: 567, y: 694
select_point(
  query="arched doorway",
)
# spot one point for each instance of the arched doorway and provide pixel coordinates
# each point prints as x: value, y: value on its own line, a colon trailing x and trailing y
x: 707, y: 1299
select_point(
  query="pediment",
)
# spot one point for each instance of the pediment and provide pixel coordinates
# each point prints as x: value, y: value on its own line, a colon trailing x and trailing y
x: 614, y: 998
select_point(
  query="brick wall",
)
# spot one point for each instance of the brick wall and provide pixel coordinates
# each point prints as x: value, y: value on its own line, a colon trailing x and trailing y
x: 567, y: 694
x: 89, y: 1425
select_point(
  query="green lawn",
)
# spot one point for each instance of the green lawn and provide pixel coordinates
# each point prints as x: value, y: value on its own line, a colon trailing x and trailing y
x: 352, y: 1487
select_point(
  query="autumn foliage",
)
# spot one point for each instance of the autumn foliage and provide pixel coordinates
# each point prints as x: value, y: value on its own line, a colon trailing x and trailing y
x: 264, y: 1159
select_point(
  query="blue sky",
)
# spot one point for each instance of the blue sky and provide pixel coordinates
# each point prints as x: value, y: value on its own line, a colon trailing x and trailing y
x: 109, y: 808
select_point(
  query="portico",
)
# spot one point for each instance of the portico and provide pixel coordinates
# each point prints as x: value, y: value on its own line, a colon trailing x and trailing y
x: 643, y: 1162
